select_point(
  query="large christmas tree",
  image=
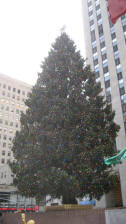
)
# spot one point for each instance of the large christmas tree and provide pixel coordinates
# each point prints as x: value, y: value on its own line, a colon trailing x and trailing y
x: 67, y: 131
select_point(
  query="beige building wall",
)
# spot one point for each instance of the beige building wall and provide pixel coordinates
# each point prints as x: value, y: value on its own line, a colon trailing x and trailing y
x: 12, y: 96
x: 106, y: 53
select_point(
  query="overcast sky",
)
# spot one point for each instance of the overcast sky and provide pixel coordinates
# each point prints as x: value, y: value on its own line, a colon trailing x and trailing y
x: 27, y: 30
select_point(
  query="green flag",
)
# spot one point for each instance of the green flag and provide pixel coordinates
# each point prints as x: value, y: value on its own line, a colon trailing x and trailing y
x: 117, y: 158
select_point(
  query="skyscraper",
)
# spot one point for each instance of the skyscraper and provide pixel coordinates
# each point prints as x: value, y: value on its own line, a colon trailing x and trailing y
x: 105, y: 45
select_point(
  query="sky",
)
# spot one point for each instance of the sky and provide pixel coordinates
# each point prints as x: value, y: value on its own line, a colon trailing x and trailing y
x: 27, y: 30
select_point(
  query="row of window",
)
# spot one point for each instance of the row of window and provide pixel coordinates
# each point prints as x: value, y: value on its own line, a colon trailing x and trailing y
x: 13, y: 96
x: 11, y: 123
x: 123, y: 19
x: 7, y: 108
x: 3, y: 160
x: 4, y: 153
x: 103, y: 53
x: 118, y: 65
x: 4, y: 145
x: 6, y: 130
x: 13, y: 89
x: 5, y: 137
x: 3, y: 175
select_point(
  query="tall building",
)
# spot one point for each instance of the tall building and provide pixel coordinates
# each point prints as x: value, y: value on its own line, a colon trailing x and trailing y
x: 12, y: 96
x: 105, y: 46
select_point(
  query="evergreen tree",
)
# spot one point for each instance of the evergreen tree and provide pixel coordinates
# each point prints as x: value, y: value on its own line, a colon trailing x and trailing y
x: 67, y: 131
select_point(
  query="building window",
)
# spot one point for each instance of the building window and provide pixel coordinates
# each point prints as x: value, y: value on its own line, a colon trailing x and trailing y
x: 107, y: 84
x: 90, y: 8
x: 115, y: 48
x: 11, y: 123
x: 3, y: 93
x: 97, y: 7
x: 114, y: 42
x: 91, y: 17
x: 122, y: 91
x: 2, y: 160
x: 121, y: 83
x: 14, y: 89
x: 93, y: 38
x: 7, y: 108
x: 119, y: 75
x: 110, y: 23
x: 94, y: 44
x: 124, y: 28
x: 4, y: 144
x: 6, y: 122
x: 94, y: 50
x: 4, y: 86
x: 95, y: 62
x: 10, y: 139
x: 98, y: 12
x: 16, y: 125
x: 117, y: 61
x: 91, y: 22
x: 3, y: 153
x: 17, y: 111
x: 105, y: 69
x: 124, y: 108
x: 113, y: 35
x: 99, y: 17
x: 9, y: 87
x: 1, y: 121
x: 102, y: 45
x: 104, y: 56
x: 19, y: 91
x: 92, y: 27
x: 100, y: 30
x: 122, y: 17
x: 4, y: 137
x: 5, y: 130
x: 89, y: 4
x: 116, y: 54
x: 112, y: 29
x: 108, y: 99
x: 107, y: 77
x: 90, y: 13
x: 2, y: 107
x: 9, y: 153
x: 124, y: 22
x: 102, y: 39
x: 97, y: 74
x: 10, y: 131
x: 9, y: 145
x: 105, y: 63
x: 123, y: 99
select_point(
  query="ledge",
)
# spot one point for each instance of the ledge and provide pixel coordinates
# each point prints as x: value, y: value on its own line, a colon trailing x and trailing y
x: 67, y: 207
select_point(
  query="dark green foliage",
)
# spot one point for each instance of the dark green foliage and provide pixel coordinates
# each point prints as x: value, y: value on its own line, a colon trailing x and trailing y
x: 67, y: 131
